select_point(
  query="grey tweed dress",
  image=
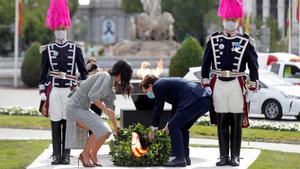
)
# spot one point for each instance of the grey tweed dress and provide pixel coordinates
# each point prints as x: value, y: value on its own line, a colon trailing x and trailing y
x: 98, y: 86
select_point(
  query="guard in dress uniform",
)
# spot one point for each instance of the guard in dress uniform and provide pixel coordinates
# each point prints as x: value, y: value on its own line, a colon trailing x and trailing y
x: 226, y: 55
x: 58, y: 76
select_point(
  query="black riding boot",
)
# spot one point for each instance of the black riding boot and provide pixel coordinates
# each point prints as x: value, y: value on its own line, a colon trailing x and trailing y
x: 65, y: 160
x: 236, y: 138
x: 223, y: 137
x: 56, y: 142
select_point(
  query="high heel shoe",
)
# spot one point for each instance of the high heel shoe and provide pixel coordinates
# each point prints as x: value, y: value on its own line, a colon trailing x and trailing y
x: 95, y: 163
x: 84, y: 163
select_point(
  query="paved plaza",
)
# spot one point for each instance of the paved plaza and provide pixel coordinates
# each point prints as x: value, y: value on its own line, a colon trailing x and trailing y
x: 201, y: 158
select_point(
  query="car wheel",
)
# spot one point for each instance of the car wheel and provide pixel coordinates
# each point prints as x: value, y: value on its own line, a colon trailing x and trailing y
x: 272, y: 110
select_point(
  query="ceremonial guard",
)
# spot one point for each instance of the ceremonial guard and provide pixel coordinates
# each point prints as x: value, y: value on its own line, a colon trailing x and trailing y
x: 58, y: 76
x: 227, y: 53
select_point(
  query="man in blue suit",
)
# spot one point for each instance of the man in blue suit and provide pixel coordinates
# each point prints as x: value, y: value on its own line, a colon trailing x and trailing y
x: 189, y: 101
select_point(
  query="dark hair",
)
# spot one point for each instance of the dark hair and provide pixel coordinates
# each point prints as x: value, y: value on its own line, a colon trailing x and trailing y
x: 91, y: 60
x: 148, y: 79
x: 91, y: 67
x: 123, y: 69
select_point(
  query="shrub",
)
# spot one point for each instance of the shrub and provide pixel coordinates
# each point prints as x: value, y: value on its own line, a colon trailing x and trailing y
x: 101, y: 51
x: 190, y: 54
x: 132, y: 6
x: 158, y: 150
x: 30, y: 71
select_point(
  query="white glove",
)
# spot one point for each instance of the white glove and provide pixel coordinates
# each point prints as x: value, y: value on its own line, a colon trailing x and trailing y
x: 208, y: 90
x: 250, y: 95
x: 43, y: 96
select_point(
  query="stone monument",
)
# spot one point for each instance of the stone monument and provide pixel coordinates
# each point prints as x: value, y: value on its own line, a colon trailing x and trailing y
x: 151, y: 33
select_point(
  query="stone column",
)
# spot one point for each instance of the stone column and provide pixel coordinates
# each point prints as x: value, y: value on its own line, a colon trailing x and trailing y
x: 253, y: 14
x: 266, y: 9
x: 281, y: 17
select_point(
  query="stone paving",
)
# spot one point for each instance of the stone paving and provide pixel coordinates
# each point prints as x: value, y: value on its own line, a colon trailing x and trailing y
x: 201, y: 158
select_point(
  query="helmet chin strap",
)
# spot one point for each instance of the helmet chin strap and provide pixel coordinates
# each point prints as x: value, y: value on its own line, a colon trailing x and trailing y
x: 230, y: 33
x: 61, y: 41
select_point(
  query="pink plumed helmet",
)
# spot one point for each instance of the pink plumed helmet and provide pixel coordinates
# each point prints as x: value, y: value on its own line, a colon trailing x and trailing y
x: 58, y: 15
x: 231, y: 9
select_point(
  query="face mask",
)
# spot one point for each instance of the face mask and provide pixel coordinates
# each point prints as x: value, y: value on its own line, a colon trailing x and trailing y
x: 60, y: 34
x: 230, y: 25
x: 150, y: 95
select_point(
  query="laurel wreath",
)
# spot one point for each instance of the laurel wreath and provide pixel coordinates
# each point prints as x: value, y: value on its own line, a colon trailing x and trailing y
x: 158, y: 150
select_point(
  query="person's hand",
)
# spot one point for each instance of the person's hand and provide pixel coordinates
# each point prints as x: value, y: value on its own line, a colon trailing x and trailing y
x: 117, y: 130
x: 151, y: 136
x: 166, y: 129
x: 208, y: 90
x: 250, y: 95
x: 110, y: 113
x: 43, y: 96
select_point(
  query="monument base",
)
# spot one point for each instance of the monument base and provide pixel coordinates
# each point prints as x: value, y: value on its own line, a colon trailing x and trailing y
x: 144, y: 117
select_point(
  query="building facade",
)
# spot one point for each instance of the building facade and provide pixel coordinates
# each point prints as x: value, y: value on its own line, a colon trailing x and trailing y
x: 278, y: 9
x: 101, y: 22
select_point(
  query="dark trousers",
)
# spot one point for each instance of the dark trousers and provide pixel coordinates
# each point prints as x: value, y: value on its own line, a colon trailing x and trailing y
x: 58, y: 129
x: 230, y: 126
x: 182, y: 121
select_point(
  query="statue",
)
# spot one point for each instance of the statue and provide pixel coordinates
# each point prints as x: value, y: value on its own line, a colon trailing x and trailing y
x: 151, y: 33
x: 151, y: 24
x: 152, y: 7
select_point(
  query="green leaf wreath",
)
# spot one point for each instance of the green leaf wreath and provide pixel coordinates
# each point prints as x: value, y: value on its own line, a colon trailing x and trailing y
x: 158, y: 150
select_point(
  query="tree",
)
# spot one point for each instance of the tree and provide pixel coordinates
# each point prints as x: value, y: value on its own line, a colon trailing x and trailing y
x: 190, y: 54
x: 34, y: 28
x: 189, y: 17
x: 7, y: 15
x: 132, y: 6
x: 212, y: 22
x: 276, y: 44
x: 35, y: 12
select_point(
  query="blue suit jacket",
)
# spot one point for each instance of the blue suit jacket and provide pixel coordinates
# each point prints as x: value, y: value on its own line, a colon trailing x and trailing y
x: 176, y: 91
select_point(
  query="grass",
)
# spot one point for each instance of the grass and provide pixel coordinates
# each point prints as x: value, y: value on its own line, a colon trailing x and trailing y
x: 19, y: 154
x: 27, y: 122
x: 16, y: 121
x: 254, y: 134
x: 268, y: 159
x: 276, y: 160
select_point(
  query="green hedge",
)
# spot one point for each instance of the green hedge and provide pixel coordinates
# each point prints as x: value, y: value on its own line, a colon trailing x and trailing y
x: 158, y: 150
x: 132, y: 6
x: 30, y: 71
x: 190, y: 54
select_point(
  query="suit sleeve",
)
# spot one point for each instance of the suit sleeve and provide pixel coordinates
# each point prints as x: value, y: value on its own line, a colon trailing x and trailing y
x: 80, y: 64
x: 159, y: 105
x: 44, y: 71
x: 206, y: 65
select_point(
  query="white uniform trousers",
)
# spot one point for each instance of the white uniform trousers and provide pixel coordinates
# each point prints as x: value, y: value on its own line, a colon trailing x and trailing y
x: 58, y: 100
x: 228, y: 97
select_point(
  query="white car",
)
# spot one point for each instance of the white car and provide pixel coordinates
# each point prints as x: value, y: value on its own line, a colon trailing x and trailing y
x: 276, y: 97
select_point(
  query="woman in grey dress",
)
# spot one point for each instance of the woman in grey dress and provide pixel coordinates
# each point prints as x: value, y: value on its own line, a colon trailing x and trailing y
x: 96, y: 88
